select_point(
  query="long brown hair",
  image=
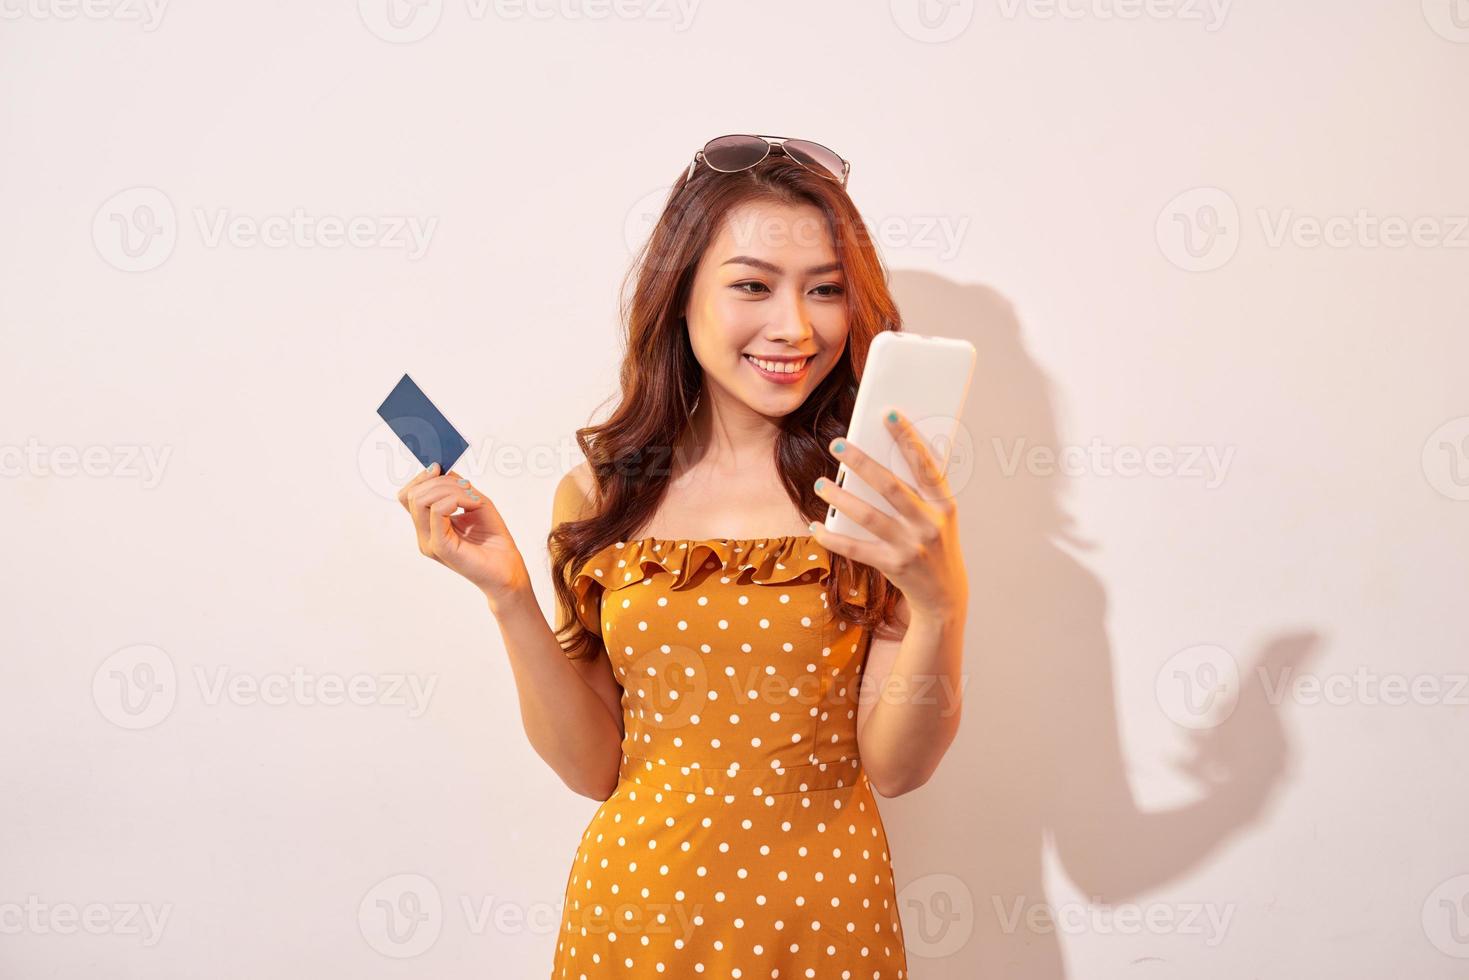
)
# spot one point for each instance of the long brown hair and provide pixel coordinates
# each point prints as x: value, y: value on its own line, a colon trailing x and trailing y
x: 630, y: 454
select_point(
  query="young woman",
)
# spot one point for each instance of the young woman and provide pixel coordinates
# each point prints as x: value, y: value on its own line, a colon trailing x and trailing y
x: 730, y: 678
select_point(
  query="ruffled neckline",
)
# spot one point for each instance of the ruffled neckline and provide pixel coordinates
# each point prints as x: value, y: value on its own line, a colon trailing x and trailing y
x: 741, y: 542
x: 796, y: 558
x: 781, y: 558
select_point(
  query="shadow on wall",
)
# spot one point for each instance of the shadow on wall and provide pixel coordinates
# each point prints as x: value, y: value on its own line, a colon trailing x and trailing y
x: 1038, y: 752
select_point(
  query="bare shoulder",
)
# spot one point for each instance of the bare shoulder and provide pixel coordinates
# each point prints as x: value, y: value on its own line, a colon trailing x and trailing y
x: 574, y: 494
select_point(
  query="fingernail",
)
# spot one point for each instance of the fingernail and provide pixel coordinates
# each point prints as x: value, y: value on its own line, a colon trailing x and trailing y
x: 838, y: 446
x: 433, y: 467
x: 464, y: 483
x: 473, y: 496
x: 820, y: 482
x: 892, y: 416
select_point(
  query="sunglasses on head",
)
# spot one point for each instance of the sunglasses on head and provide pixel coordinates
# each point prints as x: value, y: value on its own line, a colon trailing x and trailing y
x: 730, y: 154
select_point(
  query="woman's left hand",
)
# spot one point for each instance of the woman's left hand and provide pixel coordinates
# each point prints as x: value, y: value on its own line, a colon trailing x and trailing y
x: 918, y: 551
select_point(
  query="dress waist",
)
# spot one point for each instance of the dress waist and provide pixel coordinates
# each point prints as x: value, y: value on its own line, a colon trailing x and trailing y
x: 721, y: 781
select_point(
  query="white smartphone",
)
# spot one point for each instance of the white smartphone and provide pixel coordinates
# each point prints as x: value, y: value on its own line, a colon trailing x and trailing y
x: 927, y: 379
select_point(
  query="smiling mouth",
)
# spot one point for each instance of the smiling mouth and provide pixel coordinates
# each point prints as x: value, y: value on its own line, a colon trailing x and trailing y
x: 779, y: 367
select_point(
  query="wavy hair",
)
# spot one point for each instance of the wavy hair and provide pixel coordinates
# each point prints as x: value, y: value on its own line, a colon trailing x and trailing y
x: 630, y: 454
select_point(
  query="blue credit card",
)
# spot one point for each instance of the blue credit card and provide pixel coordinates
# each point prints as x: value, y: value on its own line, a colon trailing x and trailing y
x: 421, y: 426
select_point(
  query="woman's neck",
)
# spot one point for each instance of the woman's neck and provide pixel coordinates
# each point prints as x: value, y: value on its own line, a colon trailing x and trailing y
x: 724, y: 436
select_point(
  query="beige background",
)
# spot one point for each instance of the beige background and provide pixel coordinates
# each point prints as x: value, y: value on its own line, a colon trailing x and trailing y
x: 1214, y: 255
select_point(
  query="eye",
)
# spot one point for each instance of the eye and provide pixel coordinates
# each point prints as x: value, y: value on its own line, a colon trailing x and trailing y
x: 739, y: 286
x: 836, y: 289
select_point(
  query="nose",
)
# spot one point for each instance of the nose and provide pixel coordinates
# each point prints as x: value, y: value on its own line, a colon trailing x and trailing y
x: 790, y: 322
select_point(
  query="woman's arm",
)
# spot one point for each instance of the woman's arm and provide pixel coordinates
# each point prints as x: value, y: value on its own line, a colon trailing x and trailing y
x: 911, y: 700
x: 571, y: 711
x: 911, y: 686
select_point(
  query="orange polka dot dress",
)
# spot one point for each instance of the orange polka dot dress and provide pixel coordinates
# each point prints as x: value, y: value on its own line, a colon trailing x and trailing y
x: 743, y: 838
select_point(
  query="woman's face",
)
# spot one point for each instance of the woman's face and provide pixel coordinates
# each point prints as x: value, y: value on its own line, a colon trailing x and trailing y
x: 768, y: 287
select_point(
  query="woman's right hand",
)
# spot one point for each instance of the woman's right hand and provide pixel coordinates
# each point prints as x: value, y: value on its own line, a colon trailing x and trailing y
x: 476, y: 543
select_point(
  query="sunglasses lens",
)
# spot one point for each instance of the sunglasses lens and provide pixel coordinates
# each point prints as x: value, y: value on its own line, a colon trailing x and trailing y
x: 815, y: 156
x: 731, y: 153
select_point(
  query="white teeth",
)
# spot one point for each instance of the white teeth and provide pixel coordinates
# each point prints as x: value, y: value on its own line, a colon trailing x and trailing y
x: 780, y: 367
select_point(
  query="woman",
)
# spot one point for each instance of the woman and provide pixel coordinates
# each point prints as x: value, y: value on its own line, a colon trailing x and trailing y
x: 723, y: 689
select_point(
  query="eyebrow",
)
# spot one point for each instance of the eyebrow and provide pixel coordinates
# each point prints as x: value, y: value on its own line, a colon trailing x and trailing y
x: 814, y: 270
